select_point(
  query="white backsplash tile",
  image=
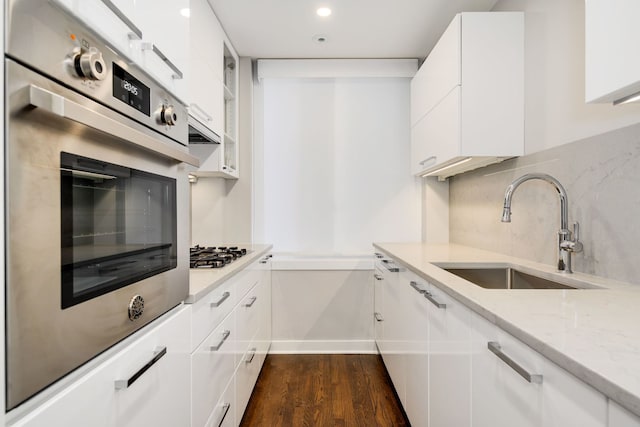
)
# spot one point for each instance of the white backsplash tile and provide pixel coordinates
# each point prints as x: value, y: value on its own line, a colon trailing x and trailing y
x: 602, y: 177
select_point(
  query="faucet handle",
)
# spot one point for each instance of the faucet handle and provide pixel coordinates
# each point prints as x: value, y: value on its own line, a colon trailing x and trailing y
x: 576, y: 231
x: 576, y: 245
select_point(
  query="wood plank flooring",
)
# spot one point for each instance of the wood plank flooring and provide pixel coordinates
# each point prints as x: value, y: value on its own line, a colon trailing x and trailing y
x: 323, y: 390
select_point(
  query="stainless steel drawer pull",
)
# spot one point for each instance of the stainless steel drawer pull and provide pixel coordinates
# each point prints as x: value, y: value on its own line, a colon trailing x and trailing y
x: 435, y: 302
x: 221, y: 300
x: 252, y: 301
x: 177, y: 74
x: 497, y: 350
x: 251, y: 354
x: 263, y: 261
x: 61, y: 106
x: 225, y: 335
x: 225, y: 409
x: 417, y: 287
x: 378, y: 255
x: 122, y: 17
x: 378, y: 317
x: 158, y: 354
x: 389, y: 265
x: 377, y: 276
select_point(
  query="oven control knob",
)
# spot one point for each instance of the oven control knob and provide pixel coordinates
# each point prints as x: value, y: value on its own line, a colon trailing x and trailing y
x: 168, y: 116
x: 90, y: 64
x: 136, y: 307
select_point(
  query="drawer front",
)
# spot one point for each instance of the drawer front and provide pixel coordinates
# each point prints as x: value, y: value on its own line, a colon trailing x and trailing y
x: 213, y: 364
x: 246, y: 376
x: 250, y: 315
x: 159, y: 396
x: 210, y: 310
x: 224, y: 413
x: 436, y: 138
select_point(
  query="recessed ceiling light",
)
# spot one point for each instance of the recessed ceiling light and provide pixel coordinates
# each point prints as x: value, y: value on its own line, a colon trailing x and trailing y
x: 186, y: 12
x: 320, y: 38
x: 323, y: 11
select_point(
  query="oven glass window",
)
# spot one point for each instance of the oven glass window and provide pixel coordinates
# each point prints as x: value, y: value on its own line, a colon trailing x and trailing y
x: 118, y: 226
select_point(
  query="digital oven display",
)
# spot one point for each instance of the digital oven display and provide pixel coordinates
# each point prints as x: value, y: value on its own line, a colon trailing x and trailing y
x: 131, y: 91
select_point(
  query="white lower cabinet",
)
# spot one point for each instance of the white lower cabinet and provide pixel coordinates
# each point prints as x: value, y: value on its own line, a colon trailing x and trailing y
x: 213, y: 365
x: 452, y: 367
x: 113, y: 395
x: 541, y: 394
x: 226, y: 364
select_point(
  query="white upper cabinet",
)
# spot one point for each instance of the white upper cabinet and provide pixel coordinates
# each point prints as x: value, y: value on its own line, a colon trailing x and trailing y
x: 612, y: 41
x: 165, y: 37
x: 467, y: 99
x: 152, y: 36
x: 213, y: 92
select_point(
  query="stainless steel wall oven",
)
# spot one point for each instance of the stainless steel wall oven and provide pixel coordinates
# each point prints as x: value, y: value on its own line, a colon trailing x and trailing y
x: 97, y: 197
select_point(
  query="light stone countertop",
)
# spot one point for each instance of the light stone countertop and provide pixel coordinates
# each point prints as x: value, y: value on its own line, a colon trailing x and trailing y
x: 592, y: 333
x: 204, y: 280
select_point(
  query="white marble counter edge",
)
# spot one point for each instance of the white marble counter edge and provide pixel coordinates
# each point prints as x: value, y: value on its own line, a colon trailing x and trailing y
x: 219, y: 276
x: 607, y: 387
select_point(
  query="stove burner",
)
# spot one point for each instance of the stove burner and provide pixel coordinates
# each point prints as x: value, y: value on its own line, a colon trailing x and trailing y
x: 214, y: 257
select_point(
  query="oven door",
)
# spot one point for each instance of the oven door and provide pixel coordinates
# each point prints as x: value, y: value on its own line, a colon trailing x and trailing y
x: 97, y: 230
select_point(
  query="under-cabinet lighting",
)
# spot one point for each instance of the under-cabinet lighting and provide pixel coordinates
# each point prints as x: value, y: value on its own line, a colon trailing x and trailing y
x: 629, y: 98
x: 323, y: 11
x: 453, y: 165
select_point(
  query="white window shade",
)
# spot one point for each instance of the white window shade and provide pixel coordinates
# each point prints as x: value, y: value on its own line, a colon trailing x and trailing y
x: 335, y: 167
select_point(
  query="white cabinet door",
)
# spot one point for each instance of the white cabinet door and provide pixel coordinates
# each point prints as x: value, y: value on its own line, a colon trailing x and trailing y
x: 503, y: 397
x: 160, y: 396
x: 449, y: 361
x: 500, y: 396
x: 394, y: 332
x: 223, y: 414
x: 481, y: 56
x: 620, y: 417
x: 435, y: 139
x: 439, y: 73
x: 164, y: 53
x: 213, y: 366
x: 612, y: 39
x: 378, y: 310
x: 416, y: 349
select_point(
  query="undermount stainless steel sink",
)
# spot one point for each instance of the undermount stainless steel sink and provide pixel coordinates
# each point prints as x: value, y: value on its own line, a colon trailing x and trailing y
x: 510, y: 278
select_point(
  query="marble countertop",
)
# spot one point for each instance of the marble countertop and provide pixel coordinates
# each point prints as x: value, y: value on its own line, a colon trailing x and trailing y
x: 204, y: 280
x: 592, y: 333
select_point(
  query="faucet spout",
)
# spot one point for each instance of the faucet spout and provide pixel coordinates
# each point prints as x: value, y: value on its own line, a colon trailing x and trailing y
x: 565, y: 244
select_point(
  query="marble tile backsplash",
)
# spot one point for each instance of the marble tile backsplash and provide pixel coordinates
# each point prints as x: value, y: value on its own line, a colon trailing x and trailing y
x: 602, y: 177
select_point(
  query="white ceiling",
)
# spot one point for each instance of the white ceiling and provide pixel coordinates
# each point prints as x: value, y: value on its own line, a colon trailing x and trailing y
x: 355, y: 29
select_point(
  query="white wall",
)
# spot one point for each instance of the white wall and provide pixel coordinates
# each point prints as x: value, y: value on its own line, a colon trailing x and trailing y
x: 555, y: 112
x: 336, y: 158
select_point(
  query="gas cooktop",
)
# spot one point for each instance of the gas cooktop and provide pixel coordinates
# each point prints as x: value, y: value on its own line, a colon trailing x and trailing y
x: 214, y: 257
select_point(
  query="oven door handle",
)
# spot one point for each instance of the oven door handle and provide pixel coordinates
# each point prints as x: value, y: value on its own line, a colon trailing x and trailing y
x: 63, y: 107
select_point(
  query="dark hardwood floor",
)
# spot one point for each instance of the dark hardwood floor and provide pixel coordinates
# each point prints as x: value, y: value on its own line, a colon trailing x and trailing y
x: 323, y: 390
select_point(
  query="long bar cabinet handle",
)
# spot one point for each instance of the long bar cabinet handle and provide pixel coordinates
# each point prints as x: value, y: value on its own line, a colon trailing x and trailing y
x: 177, y: 74
x: 225, y: 409
x: 390, y: 266
x: 417, y: 287
x: 158, y: 354
x: 429, y: 296
x: 377, y: 276
x: 122, y: 17
x: 252, y: 301
x: 225, y: 335
x: 222, y: 299
x: 252, y: 352
x: 378, y: 317
x: 496, y: 349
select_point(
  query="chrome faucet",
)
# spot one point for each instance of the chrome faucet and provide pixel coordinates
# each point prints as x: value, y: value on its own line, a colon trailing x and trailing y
x: 566, y: 245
